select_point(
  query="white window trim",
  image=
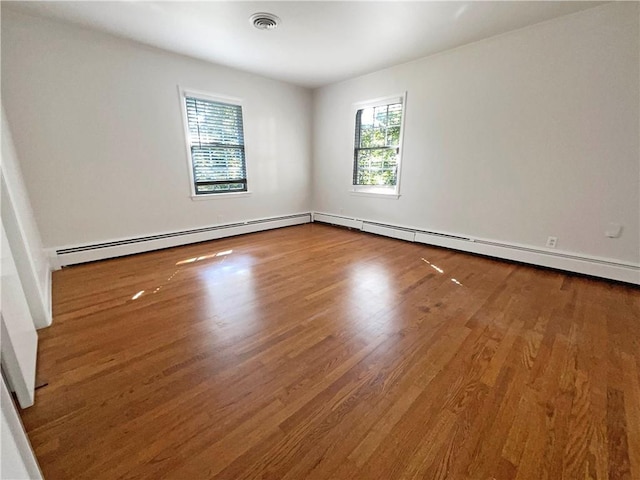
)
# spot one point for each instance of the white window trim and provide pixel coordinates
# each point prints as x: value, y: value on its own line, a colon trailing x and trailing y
x: 188, y: 92
x: 372, y: 193
x: 378, y: 190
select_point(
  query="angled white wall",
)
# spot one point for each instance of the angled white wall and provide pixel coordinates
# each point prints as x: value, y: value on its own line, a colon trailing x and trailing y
x: 19, y: 345
x: 24, y: 237
x: 97, y: 125
x: 17, y: 460
x: 512, y: 139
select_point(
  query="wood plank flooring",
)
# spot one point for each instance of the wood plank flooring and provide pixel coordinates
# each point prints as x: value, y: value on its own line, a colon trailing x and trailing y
x: 314, y: 352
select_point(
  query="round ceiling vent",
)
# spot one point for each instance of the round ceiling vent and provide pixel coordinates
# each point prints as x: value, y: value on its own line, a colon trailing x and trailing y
x: 264, y: 21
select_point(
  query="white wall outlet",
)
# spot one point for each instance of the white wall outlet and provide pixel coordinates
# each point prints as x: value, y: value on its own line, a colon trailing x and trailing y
x: 220, y: 218
x: 613, y: 230
x: 552, y: 241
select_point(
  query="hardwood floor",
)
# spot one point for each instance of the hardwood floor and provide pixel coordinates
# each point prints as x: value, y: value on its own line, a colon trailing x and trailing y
x: 314, y: 352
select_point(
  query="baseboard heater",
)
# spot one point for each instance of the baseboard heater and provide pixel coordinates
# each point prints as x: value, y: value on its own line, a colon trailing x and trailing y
x: 598, y: 267
x: 116, y: 248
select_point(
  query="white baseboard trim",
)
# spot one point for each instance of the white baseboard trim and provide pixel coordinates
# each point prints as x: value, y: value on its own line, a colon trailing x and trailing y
x: 54, y: 262
x: 568, y: 261
x: 337, y: 220
x: 48, y: 294
x: 71, y: 255
x: 388, y: 231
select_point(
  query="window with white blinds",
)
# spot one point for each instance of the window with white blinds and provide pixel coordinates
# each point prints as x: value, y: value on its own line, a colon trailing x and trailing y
x: 216, y: 145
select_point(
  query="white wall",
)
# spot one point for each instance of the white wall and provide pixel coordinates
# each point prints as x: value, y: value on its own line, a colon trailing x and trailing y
x: 17, y: 460
x: 18, y: 337
x: 530, y: 134
x: 18, y: 218
x: 97, y: 126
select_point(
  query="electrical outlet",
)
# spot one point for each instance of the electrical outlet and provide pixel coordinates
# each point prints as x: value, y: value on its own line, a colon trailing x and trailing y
x: 552, y: 241
x: 220, y: 218
x: 613, y: 230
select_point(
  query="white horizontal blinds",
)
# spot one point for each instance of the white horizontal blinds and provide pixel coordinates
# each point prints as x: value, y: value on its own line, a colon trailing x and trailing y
x: 377, y: 145
x: 216, y: 139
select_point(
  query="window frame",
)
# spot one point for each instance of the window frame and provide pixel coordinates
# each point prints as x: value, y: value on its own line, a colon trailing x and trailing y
x: 211, y: 97
x: 386, y: 191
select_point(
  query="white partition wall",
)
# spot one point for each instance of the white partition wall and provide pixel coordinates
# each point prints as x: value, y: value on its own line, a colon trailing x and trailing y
x: 18, y: 350
x: 23, y: 235
x: 19, y: 343
x: 17, y: 461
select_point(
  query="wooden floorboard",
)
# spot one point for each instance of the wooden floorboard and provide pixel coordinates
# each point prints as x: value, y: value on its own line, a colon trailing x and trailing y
x: 315, y: 352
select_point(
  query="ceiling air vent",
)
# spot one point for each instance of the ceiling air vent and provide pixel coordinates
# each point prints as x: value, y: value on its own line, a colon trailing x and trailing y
x: 264, y: 21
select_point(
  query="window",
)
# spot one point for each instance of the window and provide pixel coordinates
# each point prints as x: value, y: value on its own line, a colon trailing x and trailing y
x: 215, y: 139
x: 376, y: 156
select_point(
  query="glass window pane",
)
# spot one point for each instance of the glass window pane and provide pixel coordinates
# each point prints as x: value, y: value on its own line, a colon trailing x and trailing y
x: 377, y: 167
x: 395, y: 114
x: 217, y: 145
x: 366, y: 117
x: 380, y: 116
x: 377, y: 137
x: 393, y: 136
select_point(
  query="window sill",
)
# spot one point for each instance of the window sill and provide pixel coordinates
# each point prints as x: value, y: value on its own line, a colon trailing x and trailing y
x: 373, y: 193
x: 213, y: 196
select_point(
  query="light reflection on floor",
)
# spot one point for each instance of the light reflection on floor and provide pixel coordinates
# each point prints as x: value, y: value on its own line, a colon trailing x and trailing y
x: 371, y: 295
x: 440, y: 270
x: 230, y: 288
x: 188, y: 261
x: 137, y: 295
x: 229, y: 283
x: 205, y: 257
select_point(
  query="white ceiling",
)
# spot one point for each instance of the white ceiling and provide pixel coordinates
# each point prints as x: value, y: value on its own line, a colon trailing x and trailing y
x: 317, y: 42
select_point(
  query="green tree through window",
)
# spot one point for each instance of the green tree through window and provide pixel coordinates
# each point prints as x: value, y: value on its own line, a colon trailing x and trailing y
x: 377, y: 145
